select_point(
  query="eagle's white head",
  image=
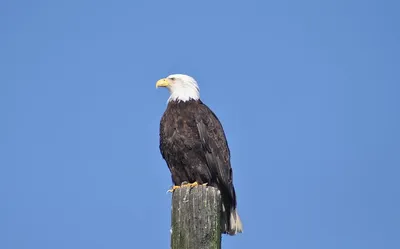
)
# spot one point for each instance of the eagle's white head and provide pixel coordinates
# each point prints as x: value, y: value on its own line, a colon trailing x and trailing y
x: 181, y: 87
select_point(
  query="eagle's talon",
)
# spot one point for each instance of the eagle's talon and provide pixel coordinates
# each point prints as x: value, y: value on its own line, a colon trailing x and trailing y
x: 173, y: 188
x: 185, y: 184
x: 190, y: 185
x: 195, y: 184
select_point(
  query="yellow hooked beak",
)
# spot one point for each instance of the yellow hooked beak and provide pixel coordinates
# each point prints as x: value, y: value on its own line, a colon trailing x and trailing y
x: 163, y: 83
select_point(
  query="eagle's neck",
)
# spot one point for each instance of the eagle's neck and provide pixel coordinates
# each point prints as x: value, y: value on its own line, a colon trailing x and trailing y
x: 184, y: 94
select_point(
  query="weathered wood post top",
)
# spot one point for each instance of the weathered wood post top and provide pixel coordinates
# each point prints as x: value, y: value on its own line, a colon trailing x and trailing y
x: 196, y: 218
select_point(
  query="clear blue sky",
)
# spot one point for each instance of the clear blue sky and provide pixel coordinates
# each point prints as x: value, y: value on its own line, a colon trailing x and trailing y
x: 308, y: 93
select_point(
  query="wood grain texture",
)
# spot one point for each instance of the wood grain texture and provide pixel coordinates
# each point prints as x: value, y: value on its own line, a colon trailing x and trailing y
x: 196, y: 218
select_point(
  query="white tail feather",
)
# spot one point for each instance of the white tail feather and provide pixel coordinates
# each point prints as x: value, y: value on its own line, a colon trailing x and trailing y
x: 236, y: 223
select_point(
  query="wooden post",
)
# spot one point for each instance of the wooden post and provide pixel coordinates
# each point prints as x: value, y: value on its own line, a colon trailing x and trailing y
x: 196, y: 218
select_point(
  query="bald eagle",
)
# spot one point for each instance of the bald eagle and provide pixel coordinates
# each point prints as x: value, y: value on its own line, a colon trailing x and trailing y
x: 194, y: 146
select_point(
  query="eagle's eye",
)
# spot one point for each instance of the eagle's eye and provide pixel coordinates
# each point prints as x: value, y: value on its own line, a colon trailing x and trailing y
x: 172, y: 78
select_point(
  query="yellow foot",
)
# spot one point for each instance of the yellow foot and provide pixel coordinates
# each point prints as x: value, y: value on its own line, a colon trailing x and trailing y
x: 173, y: 188
x: 191, y: 185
